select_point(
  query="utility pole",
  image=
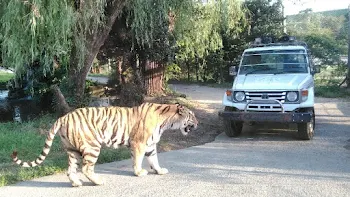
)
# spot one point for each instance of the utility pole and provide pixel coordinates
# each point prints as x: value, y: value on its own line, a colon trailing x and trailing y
x: 348, y: 74
x: 284, y: 20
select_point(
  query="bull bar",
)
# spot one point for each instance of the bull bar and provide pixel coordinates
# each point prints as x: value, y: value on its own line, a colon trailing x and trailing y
x: 284, y: 117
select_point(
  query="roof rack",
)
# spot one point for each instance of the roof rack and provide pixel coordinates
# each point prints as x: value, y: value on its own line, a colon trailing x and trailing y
x: 283, y: 41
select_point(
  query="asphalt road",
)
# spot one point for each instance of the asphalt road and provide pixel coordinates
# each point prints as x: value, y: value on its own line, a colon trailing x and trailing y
x: 264, y: 161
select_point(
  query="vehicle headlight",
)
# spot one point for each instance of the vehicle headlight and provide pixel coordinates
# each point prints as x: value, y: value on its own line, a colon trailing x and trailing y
x: 239, y: 96
x: 292, y: 96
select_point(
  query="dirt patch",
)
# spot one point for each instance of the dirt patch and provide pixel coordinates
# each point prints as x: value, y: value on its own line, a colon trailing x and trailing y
x: 208, y: 128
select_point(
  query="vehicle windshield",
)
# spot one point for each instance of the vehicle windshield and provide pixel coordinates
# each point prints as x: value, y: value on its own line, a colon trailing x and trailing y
x: 274, y: 62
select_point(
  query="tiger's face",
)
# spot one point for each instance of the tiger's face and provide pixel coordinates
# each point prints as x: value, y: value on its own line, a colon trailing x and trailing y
x: 189, y: 121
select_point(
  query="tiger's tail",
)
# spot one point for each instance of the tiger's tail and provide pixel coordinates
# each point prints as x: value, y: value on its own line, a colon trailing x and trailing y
x: 45, y: 151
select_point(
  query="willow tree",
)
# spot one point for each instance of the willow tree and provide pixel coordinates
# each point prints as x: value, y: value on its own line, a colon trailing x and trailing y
x: 56, y: 33
x: 204, y: 32
x: 69, y: 33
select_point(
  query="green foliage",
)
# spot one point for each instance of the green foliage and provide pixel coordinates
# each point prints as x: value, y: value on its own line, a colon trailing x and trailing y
x: 325, y: 48
x: 328, y: 80
x: 35, y: 30
x: 340, y: 12
x: 131, y: 95
x: 330, y: 76
x: 266, y: 18
x: 324, y: 32
x: 146, y: 17
x: 38, y: 33
x: 308, y: 22
x: 332, y: 91
x: 202, y: 33
x: 203, y: 37
x: 89, y: 17
x: 173, y: 71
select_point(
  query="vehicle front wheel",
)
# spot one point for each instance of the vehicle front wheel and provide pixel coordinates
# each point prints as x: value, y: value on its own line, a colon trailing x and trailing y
x: 306, y: 131
x: 232, y: 128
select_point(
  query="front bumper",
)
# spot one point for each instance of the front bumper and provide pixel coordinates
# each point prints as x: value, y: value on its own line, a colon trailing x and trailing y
x: 284, y: 117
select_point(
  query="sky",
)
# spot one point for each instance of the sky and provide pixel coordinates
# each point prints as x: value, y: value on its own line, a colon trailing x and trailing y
x: 316, y: 5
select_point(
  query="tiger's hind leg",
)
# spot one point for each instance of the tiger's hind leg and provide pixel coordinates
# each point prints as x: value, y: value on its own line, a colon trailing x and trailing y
x: 152, y: 158
x: 137, y: 154
x: 73, y: 160
x: 90, y: 157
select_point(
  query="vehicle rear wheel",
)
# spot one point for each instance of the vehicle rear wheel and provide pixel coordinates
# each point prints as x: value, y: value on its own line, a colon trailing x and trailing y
x: 232, y: 128
x: 306, y: 131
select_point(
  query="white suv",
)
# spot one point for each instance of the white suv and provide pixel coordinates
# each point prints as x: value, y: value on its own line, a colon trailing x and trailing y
x: 274, y: 83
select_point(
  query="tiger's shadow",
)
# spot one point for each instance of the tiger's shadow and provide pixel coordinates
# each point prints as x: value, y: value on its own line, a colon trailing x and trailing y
x: 104, y: 173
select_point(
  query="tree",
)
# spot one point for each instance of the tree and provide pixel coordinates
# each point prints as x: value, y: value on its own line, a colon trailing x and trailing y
x: 265, y: 18
x: 325, y: 34
x: 324, y: 48
x: 72, y: 33
x: 144, y: 56
x: 200, y: 37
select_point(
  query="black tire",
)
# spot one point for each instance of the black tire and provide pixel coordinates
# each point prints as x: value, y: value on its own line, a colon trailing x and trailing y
x: 306, y: 131
x: 232, y: 128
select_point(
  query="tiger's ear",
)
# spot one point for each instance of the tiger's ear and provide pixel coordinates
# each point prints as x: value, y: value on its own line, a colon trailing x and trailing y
x: 180, y: 109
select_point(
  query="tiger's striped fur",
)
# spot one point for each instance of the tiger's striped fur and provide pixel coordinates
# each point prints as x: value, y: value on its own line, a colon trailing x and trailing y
x: 84, y: 131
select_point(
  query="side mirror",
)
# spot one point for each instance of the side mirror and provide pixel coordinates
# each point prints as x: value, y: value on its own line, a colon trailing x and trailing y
x: 233, y: 70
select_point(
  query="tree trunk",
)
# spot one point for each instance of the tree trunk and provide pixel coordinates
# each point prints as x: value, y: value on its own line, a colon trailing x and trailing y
x: 62, y: 106
x: 221, y: 75
x: 188, y: 71
x: 94, y: 42
x: 153, y: 75
x: 120, y: 77
x: 197, y: 70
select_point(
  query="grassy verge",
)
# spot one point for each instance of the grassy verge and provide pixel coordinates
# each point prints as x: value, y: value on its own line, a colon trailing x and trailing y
x: 331, y: 91
x: 4, y: 77
x: 327, y: 83
x: 28, y: 139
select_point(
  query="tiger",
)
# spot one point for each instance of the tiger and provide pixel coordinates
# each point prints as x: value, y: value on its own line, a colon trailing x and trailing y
x: 85, y: 131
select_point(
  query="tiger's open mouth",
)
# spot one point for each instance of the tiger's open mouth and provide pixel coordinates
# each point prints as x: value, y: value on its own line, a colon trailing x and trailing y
x: 189, y: 128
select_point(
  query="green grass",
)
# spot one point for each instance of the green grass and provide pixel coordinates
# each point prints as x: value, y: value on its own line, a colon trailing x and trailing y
x: 4, y: 77
x: 327, y: 83
x: 332, y: 91
x: 28, y: 139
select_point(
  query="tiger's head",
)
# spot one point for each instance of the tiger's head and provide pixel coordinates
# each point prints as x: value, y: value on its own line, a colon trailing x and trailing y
x: 188, y: 120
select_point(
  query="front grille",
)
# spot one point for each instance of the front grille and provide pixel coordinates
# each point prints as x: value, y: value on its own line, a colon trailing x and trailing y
x: 280, y: 96
x: 268, y: 96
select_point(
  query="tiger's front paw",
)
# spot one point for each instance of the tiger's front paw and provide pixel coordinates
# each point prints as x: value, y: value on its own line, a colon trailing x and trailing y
x: 77, y: 184
x: 142, y: 172
x: 162, y: 171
